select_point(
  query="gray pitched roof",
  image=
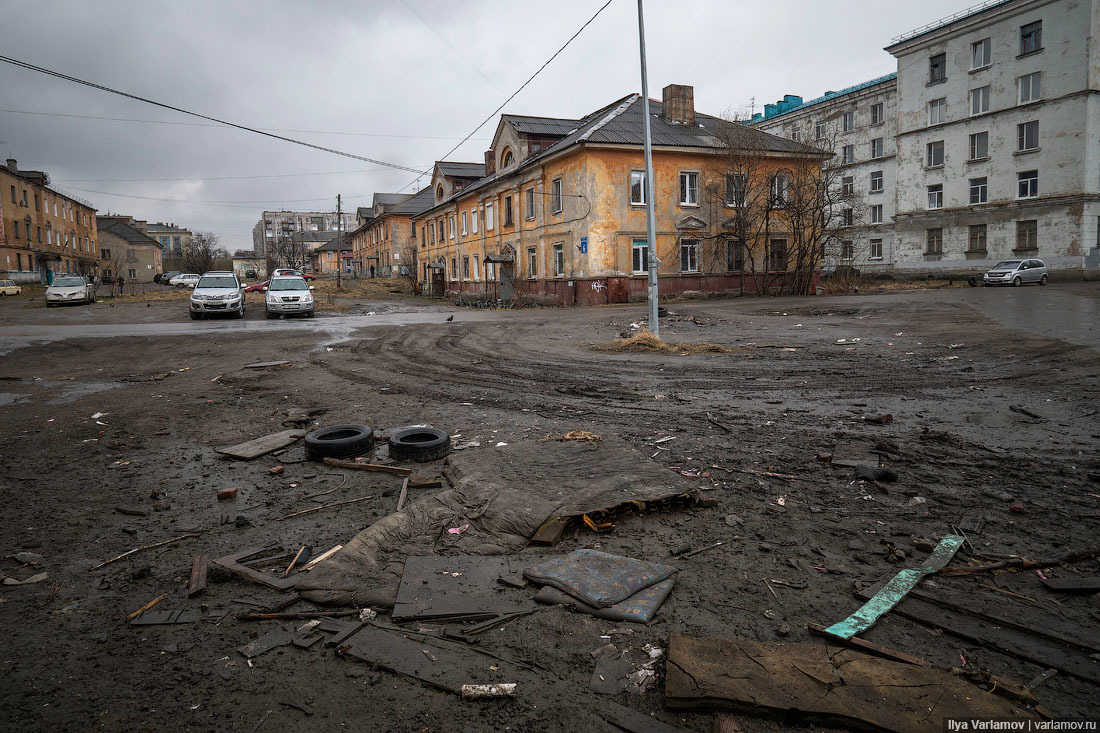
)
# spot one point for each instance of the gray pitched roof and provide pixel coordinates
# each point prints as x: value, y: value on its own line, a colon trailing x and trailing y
x: 461, y: 170
x: 124, y: 231
x: 365, y: 212
x: 339, y: 242
x: 422, y: 200
x: 559, y: 126
x: 162, y: 228
x: 389, y: 199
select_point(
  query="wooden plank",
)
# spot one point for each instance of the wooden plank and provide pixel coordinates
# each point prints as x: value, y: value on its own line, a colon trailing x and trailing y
x: 176, y: 616
x: 198, y: 575
x: 265, y: 364
x: 823, y: 683
x: 404, y: 494
x: 550, y: 532
x: 1043, y: 651
x: 869, y: 647
x: 631, y: 720
x: 1072, y: 585
x: 267, y: 642
x: 319, y: 559
x: 360, y: 466
x: 259, y: 446
x: 232, y: 563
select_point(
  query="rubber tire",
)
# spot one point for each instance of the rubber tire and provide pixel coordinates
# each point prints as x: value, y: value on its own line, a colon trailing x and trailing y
x: 1017, y: 282
x: 196, y: 316
x: 310, y: 314
x: 270, y: 315
x: 339, y: 441
x: 1043, y: 280
x: 419, y: 445
x: 972, y: 281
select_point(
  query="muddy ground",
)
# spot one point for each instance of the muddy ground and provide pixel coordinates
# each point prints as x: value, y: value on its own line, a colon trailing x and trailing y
x: 946, y: 364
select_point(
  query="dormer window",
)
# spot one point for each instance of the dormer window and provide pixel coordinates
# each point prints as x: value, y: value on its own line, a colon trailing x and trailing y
x: 439, y: 192
x: 507, y: 158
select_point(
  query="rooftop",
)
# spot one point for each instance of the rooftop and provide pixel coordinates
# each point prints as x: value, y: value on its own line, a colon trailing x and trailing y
x: 786, y: 106
x: 942, y: 22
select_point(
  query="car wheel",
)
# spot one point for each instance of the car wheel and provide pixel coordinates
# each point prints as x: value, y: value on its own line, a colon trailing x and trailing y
x: 339, y: 441
x: 1017, y: 282
x: 1043, y: 280
x: 3, y: 294
x: 419, y: 444
x: 270, y: 315
x: 195, y: 316
x: 972, y: 281
x: 49, y: 305
x: 309, y: 314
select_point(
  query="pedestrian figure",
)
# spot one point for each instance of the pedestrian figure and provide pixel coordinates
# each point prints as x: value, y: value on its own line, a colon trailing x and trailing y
x: 121, y: 284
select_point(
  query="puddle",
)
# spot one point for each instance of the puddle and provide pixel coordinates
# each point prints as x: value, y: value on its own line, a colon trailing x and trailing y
x: 10, y: 398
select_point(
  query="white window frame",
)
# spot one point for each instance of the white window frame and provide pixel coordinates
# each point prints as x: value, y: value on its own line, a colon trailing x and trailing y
x: 876, y: 213
x: 930, y: 157
x: 935, y: 196
x: 878, y: 113
x: 819, y: 130
x: 473, y: 220
x: 878, y: 148
x: 847, y: 185
x: 451, y: 225
x: 848, y: 154
x: 877, y: 176
x: 980, y: 54
x: 1021, y: 136
x: 1029, y: 87
x: 639, y: 263
x: 1031, y: 182
x: 637, y: 180
x: 556, y: 203
x: 979, y: 100
x: 466, y: 267
x: 780, y: 190
x: 489, y: 223
x: 465, y: 227
x: 937, y: 111
x: 874, y: 249
x: 979, y: 189
x: 559, y: 259
x: 689, y: 255
x: 972, y: 145
x: 689, y: 188
x: 477, y: 269
x: 529, y: 204
x: 848, y: 121
x: 532, y: 263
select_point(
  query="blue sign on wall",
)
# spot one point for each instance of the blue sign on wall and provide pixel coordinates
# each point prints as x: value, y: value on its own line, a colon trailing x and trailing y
x: 584, y: 245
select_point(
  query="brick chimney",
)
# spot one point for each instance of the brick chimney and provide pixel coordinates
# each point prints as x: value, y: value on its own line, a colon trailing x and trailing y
x: 679, y: 104
x: 490, y: 162
x: 11, y: 165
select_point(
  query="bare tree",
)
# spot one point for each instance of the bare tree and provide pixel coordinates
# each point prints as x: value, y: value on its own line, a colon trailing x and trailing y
x: 408, y: 265
x: 202, y: 253
x: 289, y: 252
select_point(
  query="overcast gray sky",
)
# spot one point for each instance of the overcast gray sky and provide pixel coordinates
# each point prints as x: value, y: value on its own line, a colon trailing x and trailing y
x: 395, y: 80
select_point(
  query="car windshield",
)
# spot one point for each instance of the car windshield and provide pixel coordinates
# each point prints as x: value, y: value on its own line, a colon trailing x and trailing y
x: 217, y: 282
x: 68, y: 282
x: 289, y: 283
x: 1006, y: 265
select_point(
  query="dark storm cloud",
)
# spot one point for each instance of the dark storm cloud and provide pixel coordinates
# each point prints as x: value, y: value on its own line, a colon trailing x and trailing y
x: 378, y: 70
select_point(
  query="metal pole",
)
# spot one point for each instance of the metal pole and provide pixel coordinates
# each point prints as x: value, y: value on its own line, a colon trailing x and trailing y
x: 339, y: 245
x: 651, y: 236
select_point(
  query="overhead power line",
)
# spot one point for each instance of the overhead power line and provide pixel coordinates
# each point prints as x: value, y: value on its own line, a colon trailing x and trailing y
x: 93, y: 85
x: 515, y: 93
x: 212, y: 178
x: 228, y: 204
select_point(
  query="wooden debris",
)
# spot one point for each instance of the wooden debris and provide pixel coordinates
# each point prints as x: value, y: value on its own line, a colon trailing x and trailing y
x: 198, y: 575
x: 404, y: 494
x: 294, y: 562
x: 869, y: 647
x: 325, y: 506
x: 171, y: 616
x: 143, y: 547
x: 131, y: 512
x: 358, y: 466
x: 233, y: 564
x: 299, y: 615
x: 266, y: 643
x: 1019, y: 561
x: 265, y: 364
x: 320, y: 558
x: 714, y: 422
x: 424, y: 483
x: 260, y: 446
x: 147, y: 606
x: 1072, y: 585
x: 550, y: 532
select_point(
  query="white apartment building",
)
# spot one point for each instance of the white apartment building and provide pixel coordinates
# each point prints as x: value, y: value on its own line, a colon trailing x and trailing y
x: 274, y: 225
x: 859, y: 125
x: 992, y: 141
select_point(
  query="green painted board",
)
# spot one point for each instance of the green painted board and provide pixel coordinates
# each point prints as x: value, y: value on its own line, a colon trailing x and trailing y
x: 895, y: 590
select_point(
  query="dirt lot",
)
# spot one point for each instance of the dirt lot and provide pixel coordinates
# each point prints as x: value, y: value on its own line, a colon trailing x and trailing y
x: 949, y: 366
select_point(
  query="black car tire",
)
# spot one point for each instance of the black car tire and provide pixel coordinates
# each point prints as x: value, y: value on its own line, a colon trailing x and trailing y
x: 1017, y: 281
x: 1043, y: 280
x: 195, y: 316
x: 339, y: 441
x: 419, y: 444
x: 270, y: 315
x: 309, y: 314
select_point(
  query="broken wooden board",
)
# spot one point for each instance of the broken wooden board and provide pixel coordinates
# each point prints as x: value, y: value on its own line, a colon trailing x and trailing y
x: 175, y: 616
x: 1041, y: 650
x: 896, y: 589
x: 361, y: 466
x: 1072, y: 585
x: 233, y: 564
x: 259, y: 446
x: 454, y: 587
x: 855, y: 453
x: 549, y: 533
x: 632, y: 720
x: 869, y: 647
x: 265, y: 364
x: 267, y: 642
x: 198, y: 575
x: 446, y: 668
x: 808, y: 680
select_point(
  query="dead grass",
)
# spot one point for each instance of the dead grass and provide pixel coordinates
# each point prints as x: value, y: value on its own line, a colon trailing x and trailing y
x: 645, y: 341
x: 865, y: 287
x: 379, y: 287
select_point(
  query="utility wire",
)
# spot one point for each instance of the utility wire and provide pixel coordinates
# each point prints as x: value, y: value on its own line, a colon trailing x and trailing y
x: 514, y: 94
x: 211, y: 178
x: 230, y: 204
x: 93, y: 85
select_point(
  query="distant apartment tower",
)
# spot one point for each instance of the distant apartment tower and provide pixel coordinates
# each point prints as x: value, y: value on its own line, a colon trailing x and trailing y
x: 994, y: 152
x: 274, y: 225
x: 173, y: 240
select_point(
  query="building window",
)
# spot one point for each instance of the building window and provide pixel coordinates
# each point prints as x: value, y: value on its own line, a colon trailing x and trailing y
x: 532, y: 263
x: 1027, y: 234
x: 777, y: 255
x: 38, y: 208
x: 1027, y: 184
x: 876, y: 213
x: 689, y: 255
x: 933, y: 154
x: 849, y: 153
x: 979, y: 146
x: 14, y: 199
x: 819, y: 130
x: 795, y: 135
x: 473, y: 220
x: 508, y: 219
x: 38, y: 234
x: 876, y: 181
x: 132, y: 271
x: 451, y: 225
x: 847, y: 250
x: 506, y: 158
x: 877, y: 117
x: 847, y: 185
x: 979, y: 190
x: 559, y: 259
x: 736, y: 189
x: 849, y: 121
x: 976, y: 240
x: 877, y: 147
x: 466, y: 268
x: 1031, y: 37
x: 431, y: 231
x: 640, y: 256
x: 1030, y: 87
x: 979, y: 54
x: 874, y: 249
x: 555, y: 196
x: 689, y: 189
x: 937, y: 109
x: 454, y: 268
x: 529, y: 203
x: 735, y: 255
x: 488, y: 215
x: 780, y: 190
x: 477, y: 269
x: 935, y: 196
x: 934, y: 239
x: 979, y: 100
x: 637, y: 188
x: 1027, y: 136
x: 937, y: 68
x: 847, y: 216
x: 465, y: 230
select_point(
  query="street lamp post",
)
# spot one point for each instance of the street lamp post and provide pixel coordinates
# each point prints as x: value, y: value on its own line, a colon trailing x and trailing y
x: 651, y: 237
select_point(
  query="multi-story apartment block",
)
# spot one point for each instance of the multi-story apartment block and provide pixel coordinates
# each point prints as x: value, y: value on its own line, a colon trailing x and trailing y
x: 993, y: 119
x: 276, y: 225
x: 859, y: 125
x: 173, y: 240
x: 43, y: 231
x: 385, y: 241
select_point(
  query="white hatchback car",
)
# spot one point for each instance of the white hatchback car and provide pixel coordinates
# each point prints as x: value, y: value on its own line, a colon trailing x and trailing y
x: 185, y: 280
x: 1017, y: 273
x: 68, y: 289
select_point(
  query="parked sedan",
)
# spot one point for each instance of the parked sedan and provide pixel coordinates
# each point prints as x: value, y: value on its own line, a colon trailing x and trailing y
x: 1016, y: 272
x: 185, y: 280
x: 69, y: 289
x: 286, y: 272
x: 8, y: 287
x: 257, y: 287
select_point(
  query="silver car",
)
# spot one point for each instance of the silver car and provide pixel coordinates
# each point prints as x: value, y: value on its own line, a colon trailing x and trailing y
x: 69, y: 289
x: 217, y: 293
x: 1017, y: 272
x: 286, y: 296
